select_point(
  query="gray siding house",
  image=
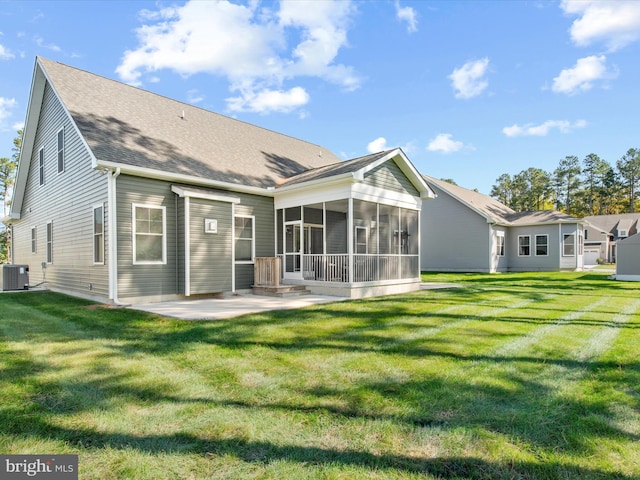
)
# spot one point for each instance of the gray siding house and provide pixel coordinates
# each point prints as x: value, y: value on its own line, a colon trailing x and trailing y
x: 603, y: 233
x: 476, y: 233
x: 125, y: 195
x: 628, y: 265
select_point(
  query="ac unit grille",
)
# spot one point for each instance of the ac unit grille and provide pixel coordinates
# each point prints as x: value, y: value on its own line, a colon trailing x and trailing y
x: 14, y: 277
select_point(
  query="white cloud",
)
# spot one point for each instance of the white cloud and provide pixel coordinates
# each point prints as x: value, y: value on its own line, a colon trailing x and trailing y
x: 377, y: 145
x: 542, y: 130
x: 615, y: 23
x: 266, y: 101
x: 5, y: 53
x: 444, y: 143
x: 248, y: 45
x: 50, y: 46
x: 469, y: 80
x: 581, y: 76
x: 194, y: 96
x: 407, y: 14
x: 6, y: 105
x: 17, y: 126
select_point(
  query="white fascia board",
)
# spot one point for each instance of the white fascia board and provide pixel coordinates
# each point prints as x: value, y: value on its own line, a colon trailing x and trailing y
x: 388, y: 197
x: 181, y: 178
x: 349, y: 177
x: 312, y: 196
x: 185, y: 192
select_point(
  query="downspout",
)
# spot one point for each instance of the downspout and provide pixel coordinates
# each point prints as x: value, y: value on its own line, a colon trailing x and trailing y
x: 187, y: 247
x: 233, y: 248
x: 113, y: 242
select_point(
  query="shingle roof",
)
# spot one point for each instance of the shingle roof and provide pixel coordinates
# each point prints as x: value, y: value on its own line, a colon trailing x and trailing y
x: 340, y: 168
x: 131, y: 126
x: 612, y: 223
x: 495, y: 211
x: 485, y: 205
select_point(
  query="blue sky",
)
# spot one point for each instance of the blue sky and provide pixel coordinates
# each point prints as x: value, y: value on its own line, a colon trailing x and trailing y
x: 469, y: 89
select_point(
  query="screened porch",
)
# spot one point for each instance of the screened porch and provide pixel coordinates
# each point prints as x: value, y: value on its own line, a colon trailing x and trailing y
x: 348, y: 241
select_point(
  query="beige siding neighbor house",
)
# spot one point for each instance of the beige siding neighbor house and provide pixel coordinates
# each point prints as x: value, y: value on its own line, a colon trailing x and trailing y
x: 125, y: 195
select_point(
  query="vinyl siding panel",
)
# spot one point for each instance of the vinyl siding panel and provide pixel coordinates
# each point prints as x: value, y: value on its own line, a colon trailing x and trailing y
x: 66, y: 199
x: 533, y: 262
x: 262, y: 209
x: 210, y: 253
x: 145, y: 280
x: 389, y: 176
x: 454, y: 238
x: 629, y: 256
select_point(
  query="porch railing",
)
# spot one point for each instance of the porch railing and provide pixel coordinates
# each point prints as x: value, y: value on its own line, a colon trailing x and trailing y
x: 366, y: 268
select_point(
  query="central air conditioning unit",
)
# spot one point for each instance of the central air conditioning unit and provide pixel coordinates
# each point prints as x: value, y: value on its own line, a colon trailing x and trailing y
x: 14, y: 277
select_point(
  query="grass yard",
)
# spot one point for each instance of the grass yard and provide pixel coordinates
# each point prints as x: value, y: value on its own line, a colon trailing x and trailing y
x: 532, y: 376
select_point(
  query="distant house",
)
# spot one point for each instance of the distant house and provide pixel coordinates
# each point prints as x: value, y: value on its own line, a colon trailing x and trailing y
x: 628, y: 264
x: 466, y: 231
x: 603, y: 233
x: 125, y: 195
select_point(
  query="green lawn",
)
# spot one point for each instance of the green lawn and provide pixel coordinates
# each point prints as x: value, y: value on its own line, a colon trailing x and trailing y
x: 512, y: 376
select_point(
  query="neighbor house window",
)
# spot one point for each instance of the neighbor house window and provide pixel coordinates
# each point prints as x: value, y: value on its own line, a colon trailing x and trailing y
x: 61, y: 150
x: 542, y: 245
x: 568, y: 245
x: 149, y: 239
x: 41, y: 165
x: 98, y: 234
x: 524, y: 245
x: 244, y: 238
x: 500, y: 244
x: 34, y: 240
x: 50, y: 242
x: 361, y: 240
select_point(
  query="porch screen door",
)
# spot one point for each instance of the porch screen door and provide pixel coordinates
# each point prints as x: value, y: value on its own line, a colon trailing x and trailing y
x: 293, y: 250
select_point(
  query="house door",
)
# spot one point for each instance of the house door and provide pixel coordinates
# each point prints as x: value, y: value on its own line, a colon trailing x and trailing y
x: 293, y: 250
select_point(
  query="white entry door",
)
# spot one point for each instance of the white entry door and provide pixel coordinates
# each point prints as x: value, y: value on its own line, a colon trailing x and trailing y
x: 293, y: 250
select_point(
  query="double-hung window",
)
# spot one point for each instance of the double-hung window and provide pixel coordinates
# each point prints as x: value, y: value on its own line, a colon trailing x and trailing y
x: 542, y: 245
x: 500, y: 244
x: 50, y: 242
x: 524, y: 245
x: 61, y: 150
x: 34, y: 240
x: 149, y: 234
x: 568, y: 245
x: 41, y: 165
x: 244, y: 237
x: 98, y: 234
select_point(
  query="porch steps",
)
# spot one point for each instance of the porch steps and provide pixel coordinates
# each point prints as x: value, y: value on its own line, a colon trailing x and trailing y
x: 280, y: 290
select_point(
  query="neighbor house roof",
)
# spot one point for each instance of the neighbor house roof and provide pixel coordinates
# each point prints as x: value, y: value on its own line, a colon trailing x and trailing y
x: 122, y: 124
x: 613, y: 223
x: 495, y: 211
x: 488, y: 207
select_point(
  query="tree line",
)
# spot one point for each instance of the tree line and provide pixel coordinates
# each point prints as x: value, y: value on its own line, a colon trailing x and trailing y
x: 580, y: 188
x: 7, y: 178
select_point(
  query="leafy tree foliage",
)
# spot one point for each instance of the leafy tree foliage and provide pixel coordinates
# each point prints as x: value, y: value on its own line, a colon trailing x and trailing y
x: 580, y: 188
x: 7, y: 177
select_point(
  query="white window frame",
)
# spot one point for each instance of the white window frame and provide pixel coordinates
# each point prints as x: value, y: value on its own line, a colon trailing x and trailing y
x: 520, y: 246
x: 34, y: 239
x: 41, y: 166
x: 500, y: 244
x: 623, y: 233
x: 573, y: 245
x: 60, y: 149
x: 546, y: 245
x: 134, y: 233
x: 366, y: 240
x: 102, y: 235
x: 253, y: 239
x: 49, y: 243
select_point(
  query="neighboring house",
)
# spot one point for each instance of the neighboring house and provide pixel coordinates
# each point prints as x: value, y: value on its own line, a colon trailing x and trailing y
x: 603, y: 233
x: 628, y: 264
x: 125, y: 195
x: 466, y: 231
